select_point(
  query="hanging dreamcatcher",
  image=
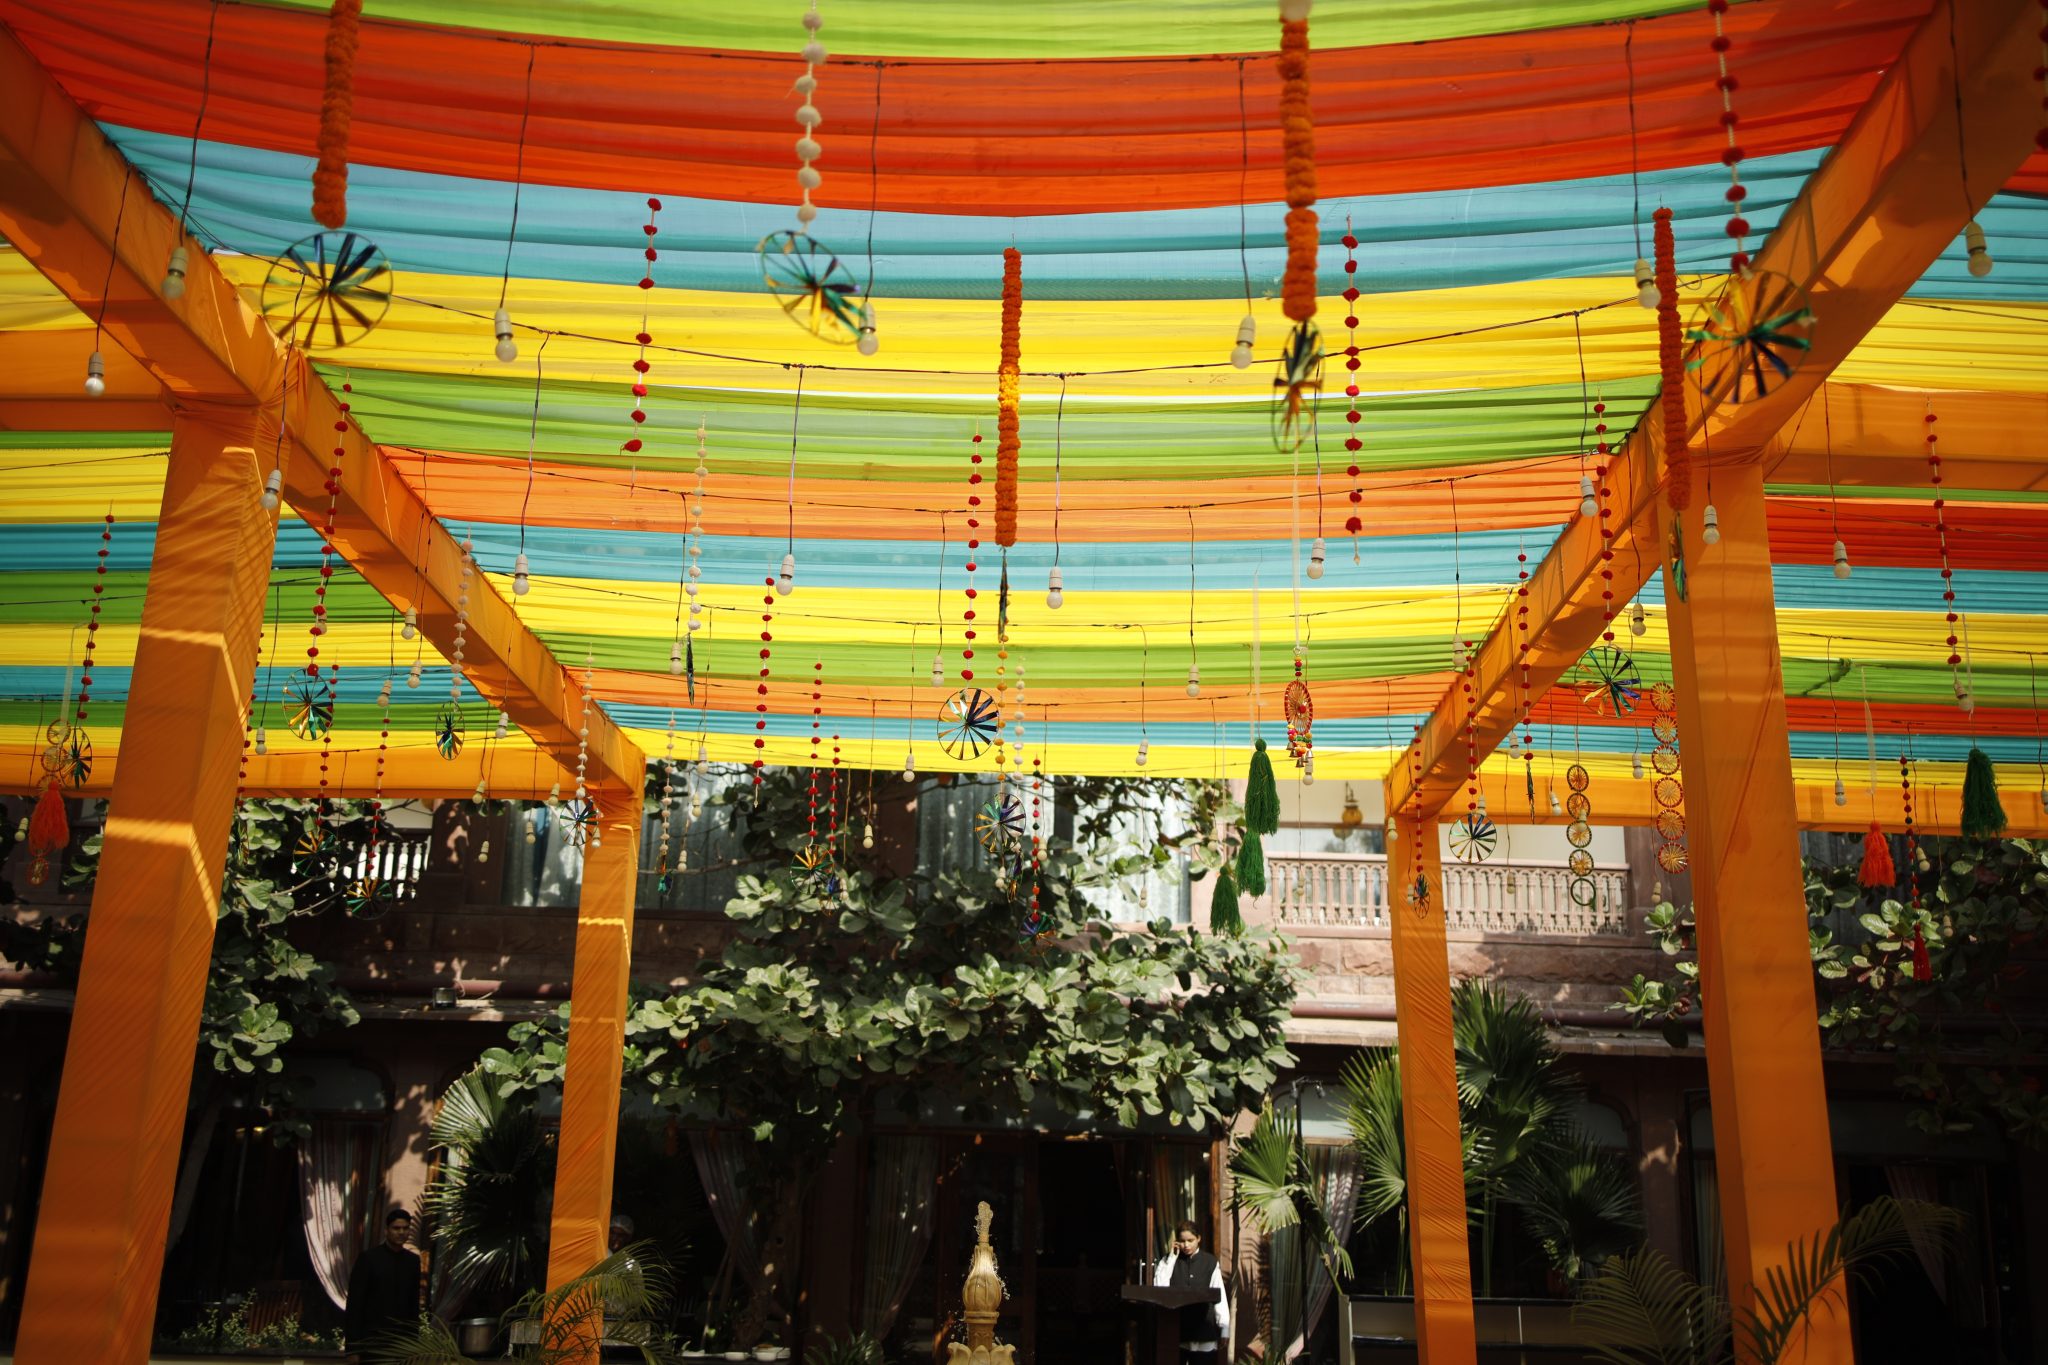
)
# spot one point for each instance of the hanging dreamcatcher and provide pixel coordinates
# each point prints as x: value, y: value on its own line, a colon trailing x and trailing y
x: 312, y: 706
x: 813, y: 286
x: 999, y: 824
x: 814, y: 870
x: 1300, y: 710
x: 1579, y: 834
x: 327, y: 291
x: 967, y: 722
x: 1474, y: 838
x: 67, y: 757
x: 449, y: 732
x: 1297, y: 383
x: 1749, y: 339
x: 1666, y: 787
x: 1613, y: 685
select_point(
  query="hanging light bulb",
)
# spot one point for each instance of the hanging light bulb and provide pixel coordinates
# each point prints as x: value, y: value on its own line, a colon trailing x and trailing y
x: 1964, y: 701
x: 412, y: 676
x: 1635, y: 763
x: 1980, y: 251
x: 1710, y: 527
x: 1308, y: 769
x: 1841, y: 560
x: 910, y: 765
x: 1841, y: 792
x: 675, y: 659
x: 1315, y: 558
x: 1638, y: 620
x: 504, y: 726
x: 1481, y: 809
x: 867, y: 834
x: 1646, y: 284
x: 1194, y: 680
x: 532, y: 836
x: 262, y: 740
x: 520, y: 581
x: 483, y: 852
x: 1053, y: 595
x: 785, y: 582
x: 273, y: 482
x: 555, y: 794
x: 95, y: 375
x: 477, y: 797
x: 1247, y: 333
x: 1144, y: 749
x: 938, y: 670
x: 703, y: 752
x: 1589, y: 506
x: 412, y: 624
x: 1460, y: 656
x: 1556, y: 808
x: 501, y: 324
x: 174, y: 273
x: 869, y: 342
x: 384, y: 692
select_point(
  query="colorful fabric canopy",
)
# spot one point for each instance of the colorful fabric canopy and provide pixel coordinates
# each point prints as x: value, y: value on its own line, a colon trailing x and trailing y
x: 1497, y: 162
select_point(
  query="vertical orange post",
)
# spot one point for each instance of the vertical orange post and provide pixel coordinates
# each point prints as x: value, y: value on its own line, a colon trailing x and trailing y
x: 106, y: 1200
x: 1771, y: 1143
x: 1437, y: 1238
x: 597, y: 1041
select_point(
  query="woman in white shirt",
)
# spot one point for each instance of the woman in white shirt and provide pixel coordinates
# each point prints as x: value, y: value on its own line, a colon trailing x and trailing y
x: 1203, y: 1326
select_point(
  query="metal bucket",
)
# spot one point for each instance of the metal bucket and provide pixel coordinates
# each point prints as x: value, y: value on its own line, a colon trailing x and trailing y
x: 476, y: 1336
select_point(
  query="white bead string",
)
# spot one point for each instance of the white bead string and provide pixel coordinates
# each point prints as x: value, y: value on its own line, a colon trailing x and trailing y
x: 807, y: 116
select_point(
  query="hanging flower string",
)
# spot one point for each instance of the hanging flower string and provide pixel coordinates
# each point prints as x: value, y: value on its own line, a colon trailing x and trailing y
x: 1007, y: 382
x: 1731, y: 156
x: 643, y: 338
x: 322, y: 702
x: 1671, y: 369
x: 761, y: 687
x: 1352, y: 444
x: 974, y: 480
x: 337, y: 101
x: 1982, y: 817
x: 1298, y: 133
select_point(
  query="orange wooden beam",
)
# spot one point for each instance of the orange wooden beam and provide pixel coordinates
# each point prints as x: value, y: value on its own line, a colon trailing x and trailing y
x: 1435, y: 1153
x: 1865, y: 227
x: 581, y: 1220
x: 1994, y: 442
x: 106, y: 1200
x: 63, y: 187
x: 1773, y: 1149
x: 410, y: 770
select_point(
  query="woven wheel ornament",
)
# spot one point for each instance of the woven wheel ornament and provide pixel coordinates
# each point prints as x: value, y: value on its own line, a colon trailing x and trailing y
x: 1750, y: 338
x: 1666, y: 787
x: 1300, y: 710
x: 1613, y: 685
x: 449, y: 733
x: 312, y: 706
x: 1579, y: 834
x: 328, y: 291
x: 812, y: 285
x: 1474, y: 838
x: 967, y: 722
x: 366, y: 898
x: 999, y: 824
x: 579, y: 822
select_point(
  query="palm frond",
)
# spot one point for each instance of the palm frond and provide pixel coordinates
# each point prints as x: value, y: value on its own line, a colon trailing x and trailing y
x: 486, y: 1214
x: 430, y: 1343
x: 1578, y: 1200
x: 1372, y: 1112
x: 1642, y: 1310
x: 1511, y: 1088
x: 1270, y: 1180
x: 1856, y: 1249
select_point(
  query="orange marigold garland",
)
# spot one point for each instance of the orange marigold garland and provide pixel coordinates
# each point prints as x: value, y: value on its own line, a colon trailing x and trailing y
x: 1006, y: 399
x: 1671, y: 365
x: 1298, y: 131
x: 337, y: 101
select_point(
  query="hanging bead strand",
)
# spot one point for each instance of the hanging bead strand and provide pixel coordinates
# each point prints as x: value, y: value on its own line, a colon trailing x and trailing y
x: 807, y: 116
x: 1948, y: 585
x: 695, y: 571
x: 1354, y: 523
x: 974, y: 483
x: 1731, y: 156
x: 761, y: 687
x: 318, y: 628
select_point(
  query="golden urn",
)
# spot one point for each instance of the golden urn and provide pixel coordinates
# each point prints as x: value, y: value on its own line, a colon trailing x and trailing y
x: 982, y: 1297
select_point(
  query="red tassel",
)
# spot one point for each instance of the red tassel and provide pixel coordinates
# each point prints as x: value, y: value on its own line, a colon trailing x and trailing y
x: 337, y: 106
x: 49, y: 828
x: 1923, y: 965
x: 1877, y: 867
x: 1671, y: 368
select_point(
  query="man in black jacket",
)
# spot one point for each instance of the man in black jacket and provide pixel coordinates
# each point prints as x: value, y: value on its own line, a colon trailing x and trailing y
x: 1204, y: 1327
x: 383, y: 1289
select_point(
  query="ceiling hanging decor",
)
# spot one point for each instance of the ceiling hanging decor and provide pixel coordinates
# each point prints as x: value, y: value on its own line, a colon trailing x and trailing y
x: 1008, y: 382
x: 506, y: 348
x: 812, y: 286
x: 1667, y: 788
x: 327, y: 291
x: 1671, y: 368
x: 337, y: 101
x: 1299, y: 379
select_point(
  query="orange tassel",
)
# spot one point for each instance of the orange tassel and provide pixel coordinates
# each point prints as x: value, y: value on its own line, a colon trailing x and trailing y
x: 1670, y: 364
x: 1006, y: 399
x: 49, y: 828
x: 1298, y: 133
x: 1877, y: 867
x: 337, y: 103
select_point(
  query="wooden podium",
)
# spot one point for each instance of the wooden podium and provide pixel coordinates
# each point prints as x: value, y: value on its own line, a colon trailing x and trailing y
x: 1157, y: 1312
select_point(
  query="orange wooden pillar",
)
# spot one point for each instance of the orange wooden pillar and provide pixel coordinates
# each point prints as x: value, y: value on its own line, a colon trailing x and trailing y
x: 597, y: 1040
x: 1437, y: 1237
x: 106, y: 1199
x: 1771, y: 1145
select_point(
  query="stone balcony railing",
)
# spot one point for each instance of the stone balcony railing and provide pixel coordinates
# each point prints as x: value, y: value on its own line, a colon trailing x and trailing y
x: 1525, y: 897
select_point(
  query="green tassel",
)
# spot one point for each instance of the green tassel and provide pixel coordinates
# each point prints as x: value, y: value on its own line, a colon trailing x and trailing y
x: 1223, y: 914
x: 1983, y: 817
x: 1251, y: 866
x: 1261, y: 797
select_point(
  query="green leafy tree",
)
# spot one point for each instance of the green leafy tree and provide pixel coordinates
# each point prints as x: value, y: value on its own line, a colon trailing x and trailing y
x: 845, y: 992
x: 1959, y: 1050
x: 1520, y: 1146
